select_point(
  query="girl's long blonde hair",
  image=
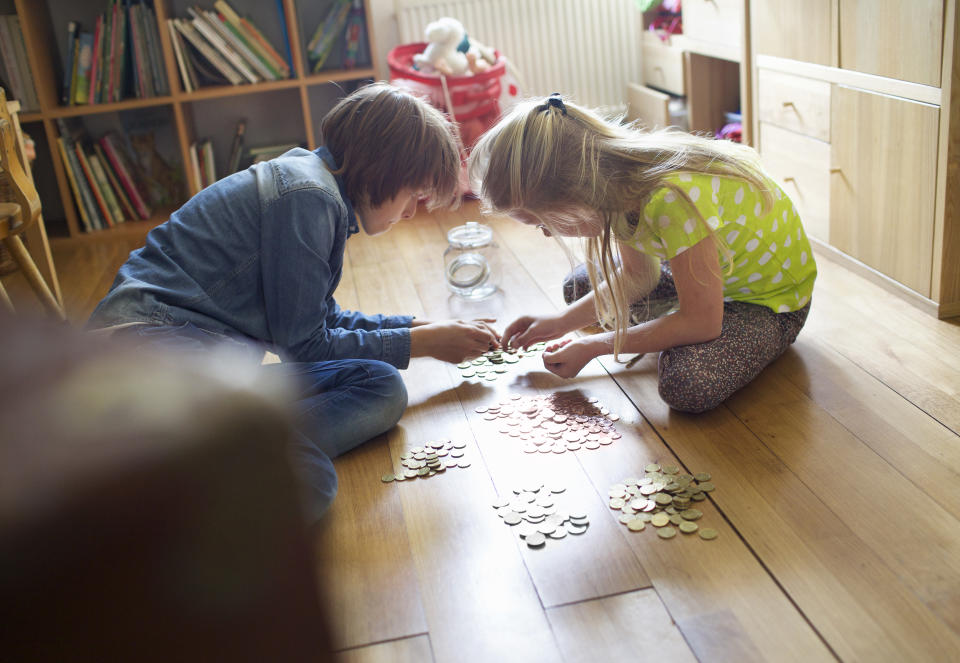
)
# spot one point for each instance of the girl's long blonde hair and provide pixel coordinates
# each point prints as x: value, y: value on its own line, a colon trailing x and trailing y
x: 559, y: 163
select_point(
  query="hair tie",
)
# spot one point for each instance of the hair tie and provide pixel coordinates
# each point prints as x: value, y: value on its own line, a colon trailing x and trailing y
x: 555, y: 101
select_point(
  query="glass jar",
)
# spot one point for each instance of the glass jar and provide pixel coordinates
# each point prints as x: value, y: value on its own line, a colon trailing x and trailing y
x: 471, y: 261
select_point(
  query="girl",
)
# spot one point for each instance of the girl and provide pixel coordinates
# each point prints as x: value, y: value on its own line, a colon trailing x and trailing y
x: 733, y: 289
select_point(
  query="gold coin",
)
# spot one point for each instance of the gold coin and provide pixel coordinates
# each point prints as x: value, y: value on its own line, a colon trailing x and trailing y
x: 652, y: 467
x: 635, y: 525
x: 702, y: 476
x: 676, y: 519
x: 666, y: 532
x: 691, y: 514
x: 706, y: 487
x: 688, y: 527
x: 671, y: 469
x: 616, y: 503
x: 659, y: 519
x: 662, y: 499
x: 387, y: 478
x: 708, y: 533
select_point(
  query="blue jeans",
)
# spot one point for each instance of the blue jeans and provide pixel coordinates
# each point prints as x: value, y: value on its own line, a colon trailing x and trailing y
x: 337, y: 404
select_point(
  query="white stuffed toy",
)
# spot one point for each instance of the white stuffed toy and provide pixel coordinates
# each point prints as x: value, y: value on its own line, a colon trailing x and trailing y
x: 445, y: 36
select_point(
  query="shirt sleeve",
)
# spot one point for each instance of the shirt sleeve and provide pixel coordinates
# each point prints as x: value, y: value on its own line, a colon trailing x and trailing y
x: 301, y: 256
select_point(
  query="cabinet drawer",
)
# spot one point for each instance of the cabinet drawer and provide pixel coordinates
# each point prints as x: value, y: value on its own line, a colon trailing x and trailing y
x: 802, y: 165
x: 714, y: 21
x: 649, y: 106
x: 662, y: 65
x: 795, y: 103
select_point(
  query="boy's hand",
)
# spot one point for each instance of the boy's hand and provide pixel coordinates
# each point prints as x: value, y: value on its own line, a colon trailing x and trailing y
x: 453, y: 340
x: 527, y: 330
x: 568, y: 358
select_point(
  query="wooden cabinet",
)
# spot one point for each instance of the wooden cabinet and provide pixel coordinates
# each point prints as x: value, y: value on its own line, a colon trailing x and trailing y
x: 883, y: 187
x: 868, y: 147
x: 705, y: 65
x: 714, y: 21
x: 804, y: 30
x: 893, y: 38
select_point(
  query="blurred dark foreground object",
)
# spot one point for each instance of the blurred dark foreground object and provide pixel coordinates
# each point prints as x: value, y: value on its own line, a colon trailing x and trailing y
x: 147, y: 509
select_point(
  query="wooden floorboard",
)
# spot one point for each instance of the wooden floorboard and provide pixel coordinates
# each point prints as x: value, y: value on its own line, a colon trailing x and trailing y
x: 837, y: 495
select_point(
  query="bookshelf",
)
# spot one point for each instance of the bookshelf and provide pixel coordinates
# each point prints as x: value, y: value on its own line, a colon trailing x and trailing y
x: 279, y: 111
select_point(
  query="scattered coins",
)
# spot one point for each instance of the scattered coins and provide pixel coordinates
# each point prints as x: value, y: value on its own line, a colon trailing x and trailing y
x: 490, y: 365
x: 533, y: 510
x: 555, y: 423
x: 429, y: 460
x: 662, y: 497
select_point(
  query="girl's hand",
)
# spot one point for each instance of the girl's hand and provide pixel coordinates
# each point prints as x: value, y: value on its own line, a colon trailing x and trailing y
x: 527, y: 330
x: 567, y: 359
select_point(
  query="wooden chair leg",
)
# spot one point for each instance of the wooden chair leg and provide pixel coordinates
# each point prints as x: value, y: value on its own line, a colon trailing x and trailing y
x: 22, y: 256
x: 5, y: 299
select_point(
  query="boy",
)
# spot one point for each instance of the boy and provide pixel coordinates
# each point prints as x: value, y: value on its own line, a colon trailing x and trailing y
x: 253, y: 260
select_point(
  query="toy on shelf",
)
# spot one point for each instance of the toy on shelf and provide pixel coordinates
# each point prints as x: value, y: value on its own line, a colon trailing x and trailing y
x: 450, y: 51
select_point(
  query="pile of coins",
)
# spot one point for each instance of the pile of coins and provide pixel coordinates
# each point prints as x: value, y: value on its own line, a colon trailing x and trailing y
x: 492, y: 364
x: 532, y: 509
x: 556, y: 423
x: 663, y: 498
x: 429, y: 460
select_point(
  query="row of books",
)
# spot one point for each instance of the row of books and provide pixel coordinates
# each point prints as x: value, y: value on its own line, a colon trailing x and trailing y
x: 204, y: 165
x: 120, y: 58
x: 17, y: 73
x: 344, y: 24
x: 103, y: 178
x: 218, y: 46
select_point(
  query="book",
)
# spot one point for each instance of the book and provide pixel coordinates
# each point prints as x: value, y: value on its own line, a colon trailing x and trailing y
x: 121, y: 68
x: 10, y: 32
x: 186, y: 76
x: 253, y: 38
x: 327, y: 33
x: 195, y: 166
x: 73, y: 73
x: 72, y: 176
x: 208, y: 32
x: 282, y: 14
x: 92, y: 181
x: 118, y: 192
x: 120, y: 165
x: 110, y: 48
x: 236, y: 149
x: 8, y: 51
x: 81, y: 93
x: 103, y: 184
x: 68, y: 70
x: 137, y: 55
x: 188, y: 30
x: 152, y: 31
x: 239, y: 46
x: 354, y: 34
x: 96, y: 67
x: 209, y: 167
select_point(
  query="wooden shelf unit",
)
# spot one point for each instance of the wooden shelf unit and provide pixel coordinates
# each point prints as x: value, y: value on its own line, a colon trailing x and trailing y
x: 40, y: 32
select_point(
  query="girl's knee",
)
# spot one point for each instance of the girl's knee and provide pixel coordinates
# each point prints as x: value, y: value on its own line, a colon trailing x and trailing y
x: 576, y: 284
x: 686, y: 390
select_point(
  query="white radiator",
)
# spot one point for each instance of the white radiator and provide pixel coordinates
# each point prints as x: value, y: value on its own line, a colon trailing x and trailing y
x: 588, y: 49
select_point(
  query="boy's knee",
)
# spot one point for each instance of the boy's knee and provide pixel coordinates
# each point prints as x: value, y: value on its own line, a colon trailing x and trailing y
x: 391, y: 389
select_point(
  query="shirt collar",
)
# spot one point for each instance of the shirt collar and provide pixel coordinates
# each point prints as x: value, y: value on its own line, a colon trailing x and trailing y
x: 352, y: 227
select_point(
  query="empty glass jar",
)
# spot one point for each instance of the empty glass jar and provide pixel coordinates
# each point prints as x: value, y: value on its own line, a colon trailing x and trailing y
x: 471, y: 261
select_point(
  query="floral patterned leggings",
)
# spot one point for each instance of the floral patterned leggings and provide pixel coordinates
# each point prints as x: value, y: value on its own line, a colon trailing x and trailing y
x: 696, y: 378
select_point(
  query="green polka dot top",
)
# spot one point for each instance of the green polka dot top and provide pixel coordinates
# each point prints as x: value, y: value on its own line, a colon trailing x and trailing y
x: 772, y: 263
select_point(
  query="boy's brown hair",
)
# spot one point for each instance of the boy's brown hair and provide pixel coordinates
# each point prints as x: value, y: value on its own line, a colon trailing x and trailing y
x: 385, y: 140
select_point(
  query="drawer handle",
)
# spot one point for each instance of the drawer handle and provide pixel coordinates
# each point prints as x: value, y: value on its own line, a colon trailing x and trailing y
x: 790, y: 104
x: 836, y: 170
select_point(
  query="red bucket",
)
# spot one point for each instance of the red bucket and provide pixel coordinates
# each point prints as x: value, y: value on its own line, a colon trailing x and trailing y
x: 475, y: 99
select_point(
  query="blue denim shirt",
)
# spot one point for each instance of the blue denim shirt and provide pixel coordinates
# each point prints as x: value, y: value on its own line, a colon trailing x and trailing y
x: 258, y: 255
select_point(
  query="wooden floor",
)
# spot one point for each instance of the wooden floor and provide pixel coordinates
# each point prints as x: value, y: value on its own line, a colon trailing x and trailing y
x: 837, y: 496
